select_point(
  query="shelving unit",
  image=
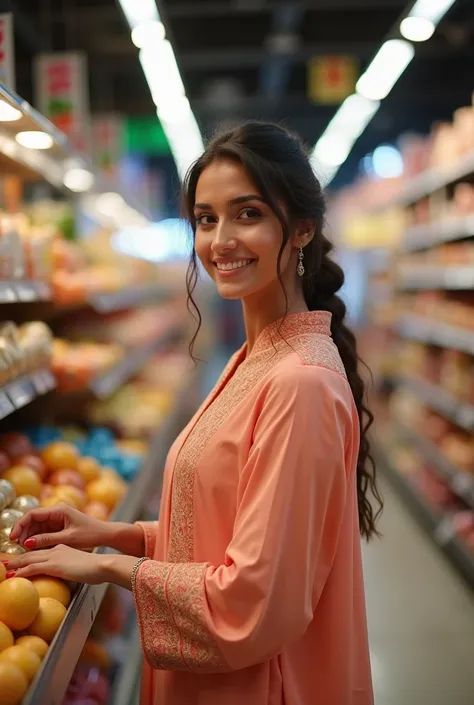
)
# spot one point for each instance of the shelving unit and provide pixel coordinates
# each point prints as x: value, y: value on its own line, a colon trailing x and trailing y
x: 427, y: 277
x: 458, y: 412
x: 437, y: 525
x: 51, y: 681
x: 422, y: 237
x: 435, y: 333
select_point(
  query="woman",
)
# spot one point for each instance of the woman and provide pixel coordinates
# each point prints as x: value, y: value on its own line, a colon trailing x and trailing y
x: 250, y: 589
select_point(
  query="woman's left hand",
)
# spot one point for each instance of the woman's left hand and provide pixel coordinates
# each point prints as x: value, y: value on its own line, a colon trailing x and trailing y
x: 59, y: 562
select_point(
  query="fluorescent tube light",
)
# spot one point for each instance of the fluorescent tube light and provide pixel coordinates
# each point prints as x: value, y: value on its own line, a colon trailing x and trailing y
x: 34, y: 139
x: 385, y: 69
x: 8, y: 113
x: 433, y: 10
x: 148, y: 33
x: 417, y: 29
x: 139, y: 11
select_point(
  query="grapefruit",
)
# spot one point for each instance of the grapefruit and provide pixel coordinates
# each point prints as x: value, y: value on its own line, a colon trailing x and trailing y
x: 48, y: 619
x: 24, y: 658
x: 33, y: 643
x: 52, y: 587
x: 13, y: 684
x: 6, y: 637
x: 19, y: 603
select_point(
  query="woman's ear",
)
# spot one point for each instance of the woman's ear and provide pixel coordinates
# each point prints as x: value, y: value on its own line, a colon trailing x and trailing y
x: 304, y: 233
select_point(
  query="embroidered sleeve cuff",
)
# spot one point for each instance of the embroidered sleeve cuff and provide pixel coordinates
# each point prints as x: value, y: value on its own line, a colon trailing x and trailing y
x: 149, y: 529
x: 170, y: 604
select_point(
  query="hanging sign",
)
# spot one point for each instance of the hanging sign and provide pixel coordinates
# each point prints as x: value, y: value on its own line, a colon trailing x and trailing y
x: 7, y: 51
x: 63, y: 96
x: 107, y: 142
x: 331, y: 78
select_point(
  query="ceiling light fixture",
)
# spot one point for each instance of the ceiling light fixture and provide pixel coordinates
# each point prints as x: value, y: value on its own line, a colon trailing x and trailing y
x: 34, y: 139
x: 138, y: 12
x: 78, y: 180
x: 8, y: 113
x: 433, y: 10
x: 417, y: 29
x: 385, y: 69
x: 148, y: 33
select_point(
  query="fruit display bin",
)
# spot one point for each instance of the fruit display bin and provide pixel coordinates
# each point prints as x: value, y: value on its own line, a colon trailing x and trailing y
x: 52, y: 680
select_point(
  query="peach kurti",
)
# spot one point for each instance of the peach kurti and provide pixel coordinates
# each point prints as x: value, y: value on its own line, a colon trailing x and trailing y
x: 255, y: 592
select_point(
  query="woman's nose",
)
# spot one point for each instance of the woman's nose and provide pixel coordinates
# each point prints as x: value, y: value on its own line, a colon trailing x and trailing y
x: 224, y: 240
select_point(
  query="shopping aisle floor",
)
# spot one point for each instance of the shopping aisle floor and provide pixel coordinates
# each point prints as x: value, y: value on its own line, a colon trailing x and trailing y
x: 421, y: 617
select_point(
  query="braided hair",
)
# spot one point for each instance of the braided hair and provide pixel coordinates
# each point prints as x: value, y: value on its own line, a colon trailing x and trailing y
x: 278, y: 164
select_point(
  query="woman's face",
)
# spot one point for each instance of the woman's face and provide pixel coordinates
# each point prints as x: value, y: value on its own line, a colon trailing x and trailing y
x: 238, y: 237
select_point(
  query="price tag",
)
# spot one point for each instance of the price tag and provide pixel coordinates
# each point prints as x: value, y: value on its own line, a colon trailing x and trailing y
x: 21, y: 392
x: 7, y: 293
x: 6, y: 407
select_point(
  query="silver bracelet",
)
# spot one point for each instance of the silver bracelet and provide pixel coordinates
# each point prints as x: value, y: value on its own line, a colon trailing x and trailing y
x: 137, y: 565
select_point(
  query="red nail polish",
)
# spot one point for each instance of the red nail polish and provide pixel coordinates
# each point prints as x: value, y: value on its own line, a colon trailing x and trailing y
x: 10, y: 574
x: 30, y: 543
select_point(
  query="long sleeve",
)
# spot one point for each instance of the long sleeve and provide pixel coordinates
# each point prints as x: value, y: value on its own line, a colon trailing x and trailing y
x: 291, y: 498
x: 150, y: 530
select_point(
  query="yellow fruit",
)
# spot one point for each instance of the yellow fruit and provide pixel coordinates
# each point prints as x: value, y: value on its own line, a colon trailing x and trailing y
x: 60, y: 456
x: 19, y: 603
x: 52, y: 587
x: 13, y: 684
x: 46, y: 623
x: 106, y: 490
x: 24, y: 480
x: 24, y: 658
x: 6, y: 637
x: 88, y: 469
x: 68, y: 494
x: 3, y: 572
x: 33, y: 643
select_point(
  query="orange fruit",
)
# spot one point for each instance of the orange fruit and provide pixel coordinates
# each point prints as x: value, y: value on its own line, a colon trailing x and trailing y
x: 13, y: 684
x: 19, y: 603
x: 48, y: 619
x: 3, y: 572
x: 52, y: 587
x: 95, y: 654
x: 68, y: 494
x: 33, y: 643
x: 106, y: 490
x: 66, y: 477
x: 6, y: 637
x: 24, y: 480
x: 60, y: 456
x: 96, y: 510
x: 24, y: 658
x: 88, y: 468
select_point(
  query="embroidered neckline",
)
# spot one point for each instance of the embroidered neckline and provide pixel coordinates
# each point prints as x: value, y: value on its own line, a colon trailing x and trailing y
x: 294, y: 324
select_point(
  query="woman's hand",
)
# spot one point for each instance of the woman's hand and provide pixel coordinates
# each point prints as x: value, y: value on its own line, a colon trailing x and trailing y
x: 59, y: 562
x: 62, y: 524
x: 75, y: 566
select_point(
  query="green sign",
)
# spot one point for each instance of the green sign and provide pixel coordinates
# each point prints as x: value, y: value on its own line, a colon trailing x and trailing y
x: 144, y: 135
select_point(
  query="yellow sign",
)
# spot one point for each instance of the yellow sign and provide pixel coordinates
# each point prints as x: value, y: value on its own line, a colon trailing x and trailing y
x: 331, y: 78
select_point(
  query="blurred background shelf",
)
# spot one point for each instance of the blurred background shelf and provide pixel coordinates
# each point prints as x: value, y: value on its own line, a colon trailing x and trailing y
x: 460, y: 413
x: 22, y: 391
x: 454, y: 278
x: 421, y: 237
x: 436, y: 333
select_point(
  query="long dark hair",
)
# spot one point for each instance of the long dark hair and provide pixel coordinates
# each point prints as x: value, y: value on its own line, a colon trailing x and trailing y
x: 278, y: 164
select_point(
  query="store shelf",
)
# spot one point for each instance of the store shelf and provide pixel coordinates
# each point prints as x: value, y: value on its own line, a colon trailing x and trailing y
x: 24, y: 292
x: 107, y: 383
x: 458, y: 412
x: 129, y: 298
x: 426, y: 277
x: 422, y: 237
x: 25, y: 389
x: 461, y: 483
x: 126, y: 687
x: 436, y: 333
x: 433, y: 180
x: 52, y: 680
x: 437, y: 525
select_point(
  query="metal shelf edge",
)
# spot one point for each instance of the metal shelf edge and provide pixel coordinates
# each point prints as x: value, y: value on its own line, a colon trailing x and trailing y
x: 19, y: 392
x: 442, y: 334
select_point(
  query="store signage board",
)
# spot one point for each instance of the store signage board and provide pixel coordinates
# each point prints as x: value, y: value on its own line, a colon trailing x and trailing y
x: 7, y: 51
x: 62, y: 94
x: 331, y: 79
x: 107, y: 143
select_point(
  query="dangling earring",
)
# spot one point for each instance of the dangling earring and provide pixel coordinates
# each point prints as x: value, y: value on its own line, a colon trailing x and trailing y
x: 300, y: 269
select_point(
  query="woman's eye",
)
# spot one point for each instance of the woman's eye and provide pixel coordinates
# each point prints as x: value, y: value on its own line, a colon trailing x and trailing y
x: 247, y: 213
x: 204, y: 219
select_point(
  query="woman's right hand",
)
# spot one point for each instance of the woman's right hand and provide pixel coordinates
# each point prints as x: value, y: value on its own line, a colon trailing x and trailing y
x: 62, y: 524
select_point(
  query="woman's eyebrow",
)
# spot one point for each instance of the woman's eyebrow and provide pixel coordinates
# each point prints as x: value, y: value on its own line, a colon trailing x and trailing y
x: 234, y: 201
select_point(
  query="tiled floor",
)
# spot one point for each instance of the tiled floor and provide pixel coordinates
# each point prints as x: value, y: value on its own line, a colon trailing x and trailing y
x: 421, y: 617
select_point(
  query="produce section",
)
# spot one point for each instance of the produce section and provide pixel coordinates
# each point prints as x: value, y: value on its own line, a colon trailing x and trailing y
x: 87, y: 335
x: 423, y: 329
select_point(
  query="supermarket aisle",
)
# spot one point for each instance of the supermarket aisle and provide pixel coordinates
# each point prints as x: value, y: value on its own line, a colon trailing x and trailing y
x: 421, y: 617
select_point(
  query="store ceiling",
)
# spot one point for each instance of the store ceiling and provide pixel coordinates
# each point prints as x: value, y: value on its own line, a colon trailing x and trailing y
x: 248, y: 59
